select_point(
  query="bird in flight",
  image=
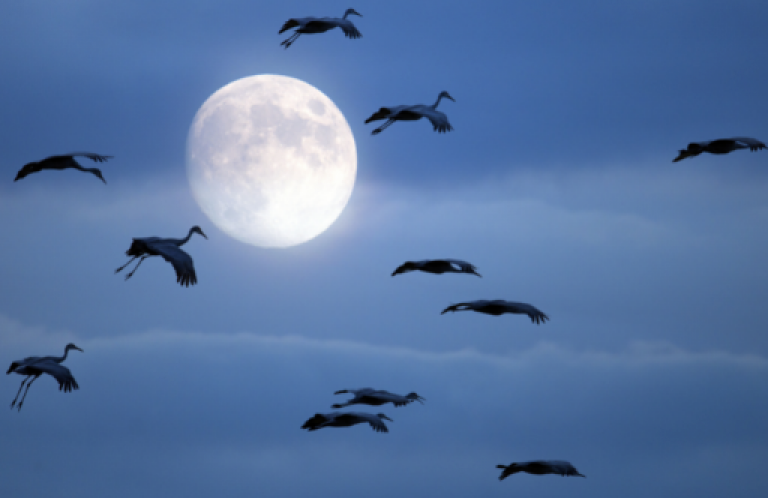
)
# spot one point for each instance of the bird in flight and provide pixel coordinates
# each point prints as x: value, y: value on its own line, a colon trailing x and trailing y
x: 170, y: 250
x: 368, y: 396
x: 34, y: 366
x: 499, y: 307
x: 311, y: 25
x: 721, y: 146
x: 438, y: 266
x: 412, y: 113
x: 338, y: 419
x: 63, y: 162
x: 539, y: 467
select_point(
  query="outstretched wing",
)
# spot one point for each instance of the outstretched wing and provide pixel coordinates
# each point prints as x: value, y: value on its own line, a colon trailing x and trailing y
x: 93, y: 157
x: 387, y: 396
x: 58, y: 372
x: 349, y: 29
x: 460, y: 265
x: 352, y: 418
x: 181, y: 261
x: 438, y: 119
x: 560, y: 467
x: 534, y: 313
x: 752, y: 143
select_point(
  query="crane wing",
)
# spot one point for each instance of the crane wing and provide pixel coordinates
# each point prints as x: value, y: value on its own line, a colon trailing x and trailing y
x: 752, y: 143
x: 94, y: 157
x: 58, y: 372
x: 522, y: 308
x: 181, y: 261
x: 356, y: 418
x: 395, y: 399
x: 349, y: 29
x: 562, y: 468
x: 438, y: 119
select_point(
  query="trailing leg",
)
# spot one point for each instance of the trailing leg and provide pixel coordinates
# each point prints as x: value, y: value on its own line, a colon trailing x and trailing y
x: 19, y: 392
x: 26, y: 391
x: 136, y: 268
x: 128, y: 263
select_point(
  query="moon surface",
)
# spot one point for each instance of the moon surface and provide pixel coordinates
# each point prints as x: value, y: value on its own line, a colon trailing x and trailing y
x: 271, y: 160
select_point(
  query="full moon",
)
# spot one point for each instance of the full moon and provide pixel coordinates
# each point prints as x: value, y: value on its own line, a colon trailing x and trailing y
x: 271, y: 160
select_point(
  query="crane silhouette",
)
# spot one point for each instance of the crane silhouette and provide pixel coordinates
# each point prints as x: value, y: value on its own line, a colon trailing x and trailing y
x: 313, y: 25
x: 412, y: 113
x: 339, y: 419
x: 63, y: 162
x: 720, y: 146
x: 170, y: 250
x: 437, y: 266
x: 499, y: 307
x: 539, y: 467
x: 368, y: 396
x: 34, y: 366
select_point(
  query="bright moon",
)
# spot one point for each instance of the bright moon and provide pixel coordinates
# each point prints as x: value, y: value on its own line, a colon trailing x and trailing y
x: 271, y: 160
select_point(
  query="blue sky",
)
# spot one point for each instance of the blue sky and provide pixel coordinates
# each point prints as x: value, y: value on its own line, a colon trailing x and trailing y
x: 557, y: 183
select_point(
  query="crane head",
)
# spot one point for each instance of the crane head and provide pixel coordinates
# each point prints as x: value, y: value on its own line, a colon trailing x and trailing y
x: 197, y: 229
x: 351, y: 11
x: 446, y: 95
x: 72, y: 346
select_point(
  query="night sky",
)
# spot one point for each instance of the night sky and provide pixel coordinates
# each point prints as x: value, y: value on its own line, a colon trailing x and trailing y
x: 557, y: 183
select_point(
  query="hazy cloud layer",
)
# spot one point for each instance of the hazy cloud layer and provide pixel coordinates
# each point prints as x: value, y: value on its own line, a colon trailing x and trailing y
x: 163, y: 411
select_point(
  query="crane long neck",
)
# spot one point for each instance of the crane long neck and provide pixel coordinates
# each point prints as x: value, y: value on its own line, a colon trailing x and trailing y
x: 62, y: 358
x: 181, y: 242
x: 439, y: 97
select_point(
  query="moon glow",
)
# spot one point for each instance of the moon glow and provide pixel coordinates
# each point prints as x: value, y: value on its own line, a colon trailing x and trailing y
x: 271, y: 160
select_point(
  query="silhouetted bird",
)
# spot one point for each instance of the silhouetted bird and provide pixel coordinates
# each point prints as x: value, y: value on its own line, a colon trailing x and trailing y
x: 312, y: 25
x: 62, y: 162
x: 338, y: 419
x: 412, y: 113
x: 721, y: 146
x: 539, y: 467
x: 499, y: 307
x: 170, y: 250
x: 438, y: 266
x: 35, y: 366
x: 368, y: 396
